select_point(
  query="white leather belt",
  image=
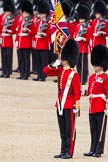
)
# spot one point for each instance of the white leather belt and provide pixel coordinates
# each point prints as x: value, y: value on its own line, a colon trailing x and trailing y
x: 98, y: 95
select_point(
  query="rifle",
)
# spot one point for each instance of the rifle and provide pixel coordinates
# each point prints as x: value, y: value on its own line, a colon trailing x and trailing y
x: 27, y: 22
x: 84, y: 30
x: 8, y: 22
x: 74, y: 11
x: 101, y: 25
x: 45, y: 25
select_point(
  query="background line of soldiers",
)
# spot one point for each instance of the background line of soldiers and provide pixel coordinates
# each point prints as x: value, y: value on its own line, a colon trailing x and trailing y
x: 86, y: 24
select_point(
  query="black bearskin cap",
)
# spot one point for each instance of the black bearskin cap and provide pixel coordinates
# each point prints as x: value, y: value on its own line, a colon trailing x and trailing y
x: 43, y: 7
x: 83, y: 12
x: 70, y: 52
x: 100, y: 7
x: 27, y: 7
x: 8, y: 5
x: 99, y: 56
x: 18, y: 4
x: 35, y: 3
x: 66, y: 8
x: 69, y: 2
x: 83, y: 2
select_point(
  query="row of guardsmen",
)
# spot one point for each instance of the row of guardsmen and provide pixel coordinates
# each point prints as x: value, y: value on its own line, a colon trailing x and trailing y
x: 33, y: 34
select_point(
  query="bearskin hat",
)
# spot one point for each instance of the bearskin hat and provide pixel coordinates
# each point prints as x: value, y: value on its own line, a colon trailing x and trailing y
x: 100, y: 7
x: 18, y: 4
x: 35, y: 3
x: 83, y: 12
x: 70, y: 52
x: 83, y: 2
x: 8, y: 5
x: 99, y: 56
x: 43, y: 7
x: 69, y: 2
x: 27, y: 7
x: 66, y: 8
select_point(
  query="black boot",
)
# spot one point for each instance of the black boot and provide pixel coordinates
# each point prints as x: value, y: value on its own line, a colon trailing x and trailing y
x: 88, y: 154
x: 97, y: 155
x: 2, y: 75
x: 59, y: 155
x: 66, y: 156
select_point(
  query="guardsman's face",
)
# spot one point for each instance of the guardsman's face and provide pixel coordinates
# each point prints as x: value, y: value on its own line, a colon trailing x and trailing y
x: 42, y: 16
x: 35, y: 13
x: 25, y: 15
x: 82, y: 20
x: 8, y: 13
x: 98, y: 15
x: 64, y: 63
x: 98, y: 69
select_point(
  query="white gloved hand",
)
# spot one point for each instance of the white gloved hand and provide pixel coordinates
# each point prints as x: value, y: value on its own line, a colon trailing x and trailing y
x: 101, y: 33
x: 106, y: 112
x: 83, y: 92
x: 56, y: 63
x: 80, y: 39
x: 76, y: 111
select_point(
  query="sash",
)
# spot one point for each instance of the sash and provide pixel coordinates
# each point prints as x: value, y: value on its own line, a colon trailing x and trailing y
x: 70, y: 77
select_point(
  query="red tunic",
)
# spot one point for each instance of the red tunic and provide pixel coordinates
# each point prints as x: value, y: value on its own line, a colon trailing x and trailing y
x: 35, y: 20
x: 42, y: 43
x: 71, y: 27
x: 102, y: 38
x: 18, y: 19
x: 74, y: 90
x: 6, y: 38
x: 25, y: 39
x: 84, y: 46
x: 97, y: 85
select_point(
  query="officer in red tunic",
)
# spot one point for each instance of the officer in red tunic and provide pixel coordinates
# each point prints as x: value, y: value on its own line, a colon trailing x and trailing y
x: 68, y: 96
x: 25, y: 31
x: 82, y: 35
x: 7, y: 30
x: 42, y: 38
x: 99, y: 24
x: 98, y: 99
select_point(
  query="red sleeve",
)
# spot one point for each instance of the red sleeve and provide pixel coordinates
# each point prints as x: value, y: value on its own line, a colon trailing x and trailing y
x: 76, y: 86
x: 32, y: 29
x: 88, y: 35
x: 50, y: 71
x: 106, y: 86
x: 71, y: 28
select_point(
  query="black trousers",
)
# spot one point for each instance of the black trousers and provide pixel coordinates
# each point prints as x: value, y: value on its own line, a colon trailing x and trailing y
x: 34, y: 60
x: 42, y: 56
x: 66, y: 127
x: 7, y: 57
x: 24, y: 59
x: 82, y: 67
x: 96, y: 121
x: 18, y: 58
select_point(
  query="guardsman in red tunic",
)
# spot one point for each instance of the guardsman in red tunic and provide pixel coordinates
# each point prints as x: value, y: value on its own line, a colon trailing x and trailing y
x: 82, y: 35
x: 67, y: 7
x: 34, y: 54
x: 7, y: 30
x: 42, y: 38
x: 98, y: 99
x: 18, y: 18
x: 25, y: 32
x: 99, y: 24
x: 68, y: 96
